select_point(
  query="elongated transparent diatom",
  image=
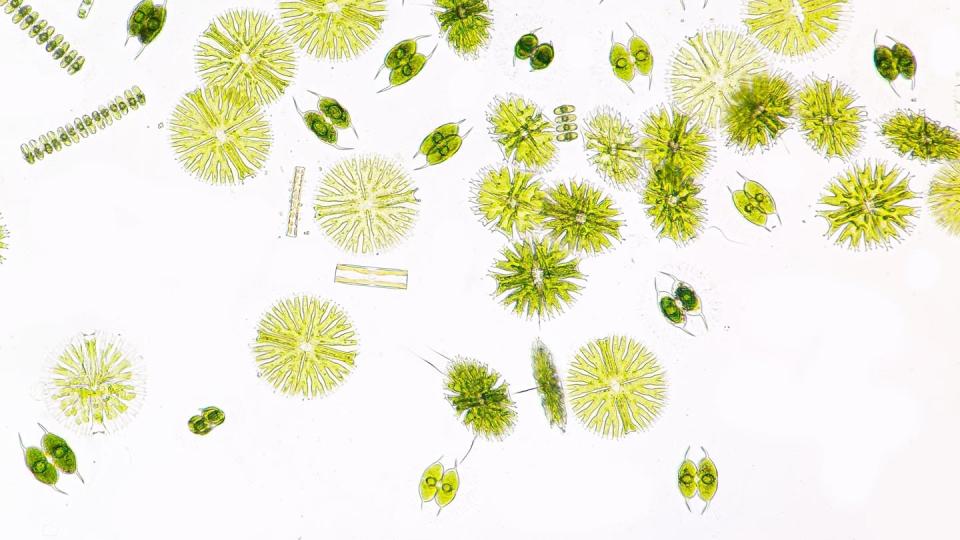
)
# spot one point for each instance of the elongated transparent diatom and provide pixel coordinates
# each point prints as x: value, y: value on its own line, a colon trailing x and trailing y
x: 293, y: 218
x: 45, y: 34
x: 83, y: 126
x: 370, y: 276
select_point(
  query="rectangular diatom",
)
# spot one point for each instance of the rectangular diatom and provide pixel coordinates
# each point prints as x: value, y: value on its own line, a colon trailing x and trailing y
x: 370, y: 276
x: 293, y: 219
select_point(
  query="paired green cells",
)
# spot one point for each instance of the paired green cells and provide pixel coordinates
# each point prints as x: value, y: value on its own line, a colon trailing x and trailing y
x: 481, y: 398
x: 441, y: 144
x: 894, y: 62
x: 612, y: 146
x: 40, y: 30
x: 829, y: 120
x: 437, y: 484
x: 509, y: 200
x: 220, y: 136
x: 306, y: 346
x: 914, y: 135
x: 95, y: 384
x: 755, y: 203
x: 549, y: 386
x: 326, y: 121
x: 366, y: 204
x: 673, y: 203
x: 759, y: 111
x: 537, y: 278
x: 866, y: 206
x: 523, y: 132
x: 203, y: 423
x: 145, y: 22
x: 700, y: 479
x: 528, y: 47
x: 679, y: 302
x: 465, y: 24
x: 944, y: 197
x: 248, y: 52
x: 335, y: 30
x: 671, y: 137
x: 627, y: 60
x: 40, y: 467
x: 616, y: 386
x: 795, y: 27
x: 404, y: 62
x: 580, y: 218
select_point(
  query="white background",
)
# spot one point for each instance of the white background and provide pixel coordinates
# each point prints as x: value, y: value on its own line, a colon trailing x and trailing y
x: 826, y: 389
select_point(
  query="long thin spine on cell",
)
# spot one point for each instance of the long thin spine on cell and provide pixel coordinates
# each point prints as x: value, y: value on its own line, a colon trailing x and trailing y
x: 293, y: 218
x: 26, y: 17
x: 83, y: 127
x: 84, y: 9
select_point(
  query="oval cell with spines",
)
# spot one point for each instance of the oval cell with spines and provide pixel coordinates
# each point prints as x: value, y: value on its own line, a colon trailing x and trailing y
x: 401, y: 53
x: 448, y: 487
x: 430, y: 482
x: 525, y: 46
x: 622, y: 63
x: 408, y: 70
x: 906, y: 62
x: 706, y: 479
x: 885, y: 62
x: 335, y: 113
x: 60, y: 452
x: 542, y: 56
x: 687, y: 479
x: 687, y: 297
x: 671, y: 310
x: 642, y: 57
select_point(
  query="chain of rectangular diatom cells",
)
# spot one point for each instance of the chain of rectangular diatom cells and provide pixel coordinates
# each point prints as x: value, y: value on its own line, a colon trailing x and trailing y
x: 84, y: 126
x: 26, y: 17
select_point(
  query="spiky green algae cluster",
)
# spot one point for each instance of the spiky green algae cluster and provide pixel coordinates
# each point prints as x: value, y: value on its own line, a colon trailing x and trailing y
x: 944, y: 197
x: 759, y: 111
x: 480, y: 398
x: 674, y: 205
x: 914, y: 135
x: 671, y: 137
x: 523, y: 132
x: 549, y: 386
x: 580, y: 218
x: 537, y: 278
x: 509, y: 199
x: 611, y: 143
x: 465, y: 24
x: 829, y: 120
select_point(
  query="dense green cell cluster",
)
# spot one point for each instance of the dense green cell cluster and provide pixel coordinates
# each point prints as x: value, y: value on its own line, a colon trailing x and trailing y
x: 537, y: 278
x: 829, y: 120
x: 759, y: 111
x: 673, y: 203
x: 616, y: 386
x: 668, y: 136
x: 53, y: 458
x: 481, y: 398
x: 866, y: 206
x: 914, y: 135
x: 580, y: 218
x: 466, y: 24
x: 611, y: 142
x: 509, y: 200
x: 549, y: 386
x: 523, y: 132
x: 944, y: 197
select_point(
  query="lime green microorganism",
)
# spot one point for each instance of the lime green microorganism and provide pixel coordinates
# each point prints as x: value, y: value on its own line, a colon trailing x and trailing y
x: 944, y: 197
x: 616, y: 386
x: 914, y: 135
x: 248, y: 52
x: 759, y: 111
x: 43, y: 471
x: 333, y: 29
x: 829, y: 120
x: 58, y: 450
x: 525, y: 135
x: 687, y: 479
x: 439, y: 485
x: 509, y: 200
x: 675, y: 138
x: 481, y: 398
x: 674, y: 204
x: 794, y: 27
x: 537, y: 278
x: 708, y: 69
x: 466, y: 24
x: 209, y: 418
x: 95, y: 384
x: 4, y: 235
x: 630, y: 59
x: 707, y: 479
x: 866, y: 206
x: 611, y: 143
x: 755, y: 203
x: 580, y: 218
x: 220, y: 136
x: 366, y: 204
x: 549, y: 386
x: 306, y: 346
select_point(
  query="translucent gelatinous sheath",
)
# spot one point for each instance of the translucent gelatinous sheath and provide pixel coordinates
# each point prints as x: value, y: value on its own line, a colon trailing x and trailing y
x: 668, y: 136
x: 795, y: 27
x: 759, y: 111
x: 366, y: 204
x: 866, y: 206
x: 509, y: 200
x: 944, y: 197
x: 537, y: 278
x: 246, y: 51
x: 480, y: 398
x: 335, y: 30
x: 466, y: 24
x: 95, y: 384
x: 306, y: 346
x: 549, y: 386
x: 708, y: 69
x: 616, y: 386
x: 673, y: 204
x: 914, y: 135
x: 612, y: 146
x: 580, y: 218
x: 220, y: 136
x: 829, y: 120
x: 525, y: 135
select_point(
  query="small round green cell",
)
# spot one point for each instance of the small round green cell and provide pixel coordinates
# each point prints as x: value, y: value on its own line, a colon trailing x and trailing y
x: 687, y: 297
x: 199, y: 425
x: 213, y: 415
x: 400, y: 53
x: 322, y: 129
x: 542, y: 56
x: 335, y: 113
x: 905, y: 60
x: 525, y: 46
x: 670, y: 309
x: 885, y: 63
